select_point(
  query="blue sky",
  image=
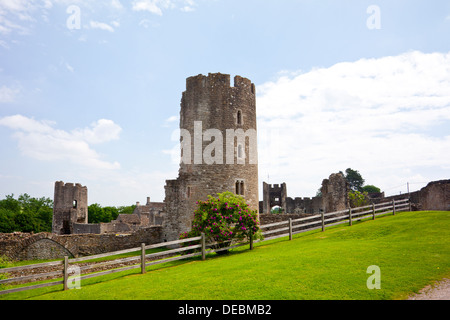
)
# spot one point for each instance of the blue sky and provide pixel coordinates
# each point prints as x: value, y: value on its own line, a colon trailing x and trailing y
x: 338, y: 86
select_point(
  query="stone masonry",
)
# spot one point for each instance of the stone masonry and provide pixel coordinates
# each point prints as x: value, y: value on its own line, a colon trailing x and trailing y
x: 214, y: 117
x: 70, y: 206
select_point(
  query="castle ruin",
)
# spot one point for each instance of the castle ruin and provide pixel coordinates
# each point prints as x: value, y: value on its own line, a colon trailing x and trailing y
x: 218, y: 148
x: 218, y: 154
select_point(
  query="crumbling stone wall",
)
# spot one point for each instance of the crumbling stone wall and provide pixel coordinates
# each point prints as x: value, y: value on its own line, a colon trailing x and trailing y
x: 209, y: 102
x: 436, y: 196
x: 28, y: 246
x: 335, y: 193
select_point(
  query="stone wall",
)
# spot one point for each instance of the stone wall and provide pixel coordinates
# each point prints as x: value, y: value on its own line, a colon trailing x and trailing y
x: 27, y: 246
x: 434, y: 196
x: 335, y: 193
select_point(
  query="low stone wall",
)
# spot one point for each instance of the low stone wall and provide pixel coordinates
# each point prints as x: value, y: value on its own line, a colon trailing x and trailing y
x: 28, y: 246
x: 435, y: 196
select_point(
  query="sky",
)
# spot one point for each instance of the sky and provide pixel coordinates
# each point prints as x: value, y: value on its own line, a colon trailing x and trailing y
x: 90, y: 90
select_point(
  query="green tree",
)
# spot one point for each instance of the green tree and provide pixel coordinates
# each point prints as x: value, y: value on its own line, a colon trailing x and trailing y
x: 26, y: 214
x: 7, y: 224
x: 126, y: 209
x: 98, y: 214
x: 358, y: 199
x: 354, y: 179
x: 10, y: 204
x: 371, y: 189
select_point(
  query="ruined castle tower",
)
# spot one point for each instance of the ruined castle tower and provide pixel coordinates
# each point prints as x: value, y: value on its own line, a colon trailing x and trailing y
x: 218, y: 147
x: 69, y: 206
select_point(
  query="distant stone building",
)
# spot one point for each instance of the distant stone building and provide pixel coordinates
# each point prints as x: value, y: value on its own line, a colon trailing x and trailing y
x: 70, y: 214
x: 218, y: 148
x: 69, y: 207
x: 334, y: 197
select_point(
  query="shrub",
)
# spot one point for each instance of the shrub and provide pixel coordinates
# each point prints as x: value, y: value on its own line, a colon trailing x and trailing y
x: 224, y: 220
x: 358, y: 199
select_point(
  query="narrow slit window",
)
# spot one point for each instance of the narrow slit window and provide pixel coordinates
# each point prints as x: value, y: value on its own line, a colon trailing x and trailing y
x: 74, y: 204
x: 240, y: 188
x: 189, y: 192
x: 240, y: 152
x: 239, y: 117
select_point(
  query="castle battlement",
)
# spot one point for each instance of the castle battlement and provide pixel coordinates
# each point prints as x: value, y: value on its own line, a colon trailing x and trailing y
x: 219, y: 81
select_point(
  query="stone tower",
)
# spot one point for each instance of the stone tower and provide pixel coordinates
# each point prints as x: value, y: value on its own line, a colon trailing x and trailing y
x: 274, y: 195
x: 70, y: 206
x: 218, y: 147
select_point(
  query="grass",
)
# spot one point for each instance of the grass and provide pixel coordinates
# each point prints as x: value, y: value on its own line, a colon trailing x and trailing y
x: 412, y: 250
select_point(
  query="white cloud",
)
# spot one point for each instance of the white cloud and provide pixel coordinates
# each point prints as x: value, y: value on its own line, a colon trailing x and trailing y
x: 373, y: 115
x: 101, y: 26
x: 8, y: 95
x: 41, y: 141
x: 116, y: 4
x: 157, y: 6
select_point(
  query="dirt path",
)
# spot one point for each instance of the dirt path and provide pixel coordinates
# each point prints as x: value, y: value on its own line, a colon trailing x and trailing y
x: 438, y: 291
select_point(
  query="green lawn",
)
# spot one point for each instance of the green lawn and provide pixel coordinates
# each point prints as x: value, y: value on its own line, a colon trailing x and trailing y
x: 412, y: 250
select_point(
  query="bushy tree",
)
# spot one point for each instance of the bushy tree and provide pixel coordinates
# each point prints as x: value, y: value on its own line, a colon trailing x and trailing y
x: 371, y: 189
x: 354, y: 179
x: 224, y: 219
x: 26, y: 214
x: 358, y: 199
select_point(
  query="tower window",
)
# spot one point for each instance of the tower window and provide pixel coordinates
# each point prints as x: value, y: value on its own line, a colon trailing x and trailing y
x: 240, y: 151
x: 240, y: 188
x: 189, y: 191
x: 74, y: 204
x: 239, y: 118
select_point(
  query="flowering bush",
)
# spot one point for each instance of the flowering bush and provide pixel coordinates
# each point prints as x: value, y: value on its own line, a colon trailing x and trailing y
x: 224, y: 220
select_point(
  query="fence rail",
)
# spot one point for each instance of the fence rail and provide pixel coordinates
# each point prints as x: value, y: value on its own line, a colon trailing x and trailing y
x: 278, y: 230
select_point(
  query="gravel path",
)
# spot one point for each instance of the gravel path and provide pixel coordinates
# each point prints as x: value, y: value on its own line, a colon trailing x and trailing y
x: 438, y: 291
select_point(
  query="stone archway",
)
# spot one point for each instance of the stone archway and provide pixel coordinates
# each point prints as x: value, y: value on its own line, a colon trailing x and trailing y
x: 41, y: 246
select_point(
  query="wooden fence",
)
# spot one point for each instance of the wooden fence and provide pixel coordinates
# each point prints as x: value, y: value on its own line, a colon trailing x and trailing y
x: 199, y: 248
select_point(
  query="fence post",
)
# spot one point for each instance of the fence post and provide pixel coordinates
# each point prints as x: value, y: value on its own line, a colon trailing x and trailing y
x: 203, y: 240
x: 142, y: 258
x: 350, y: 216
x: 323, y: 220
x: 66, y: 273
x: 373, y: 211
x: 290, y: 228
x: 393, y: 207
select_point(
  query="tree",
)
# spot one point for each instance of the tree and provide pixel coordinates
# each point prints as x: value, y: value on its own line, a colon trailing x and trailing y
x: 371, y: 189
x: 7, y: 224
x: 223, y: 220
x: 358, y: 199
x: 354, y: 179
